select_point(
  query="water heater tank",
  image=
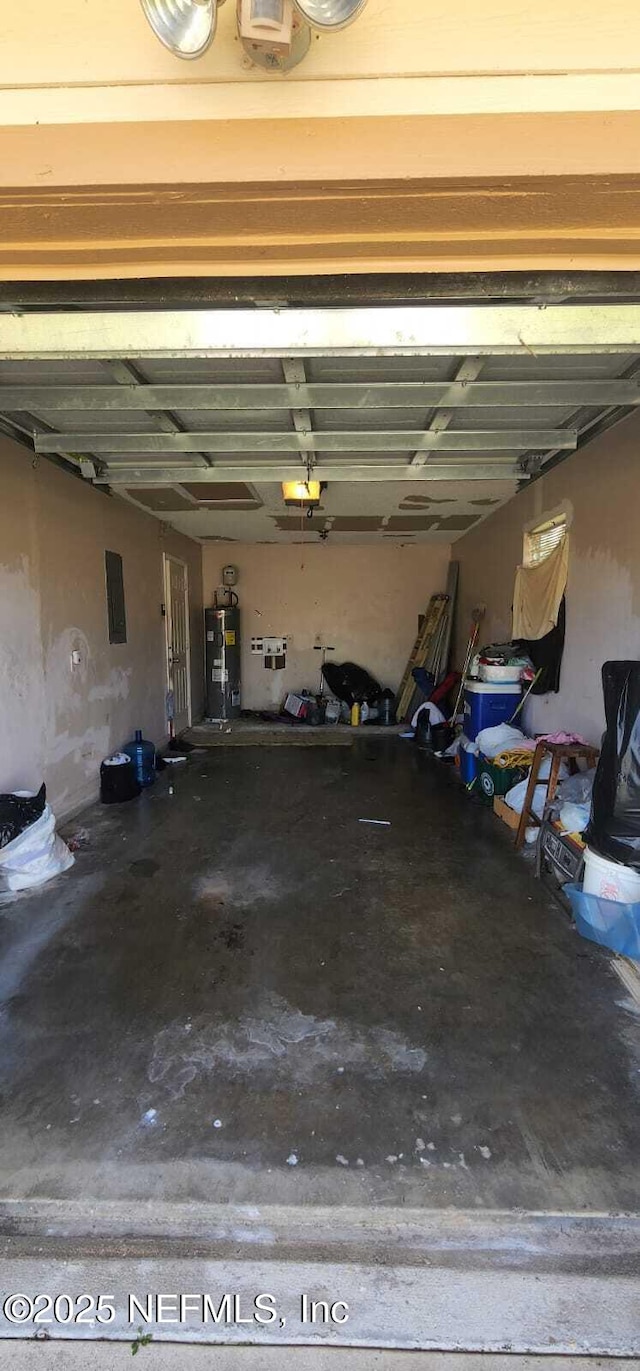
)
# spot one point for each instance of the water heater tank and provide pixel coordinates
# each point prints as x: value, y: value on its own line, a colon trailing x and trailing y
x: 222, y: 658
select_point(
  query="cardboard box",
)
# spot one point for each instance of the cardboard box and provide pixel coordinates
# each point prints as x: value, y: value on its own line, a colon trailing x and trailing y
x: 297, y: 705
x: 508, y: 816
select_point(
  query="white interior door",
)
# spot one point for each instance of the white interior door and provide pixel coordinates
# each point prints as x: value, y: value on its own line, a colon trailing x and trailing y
x: 177, y: 625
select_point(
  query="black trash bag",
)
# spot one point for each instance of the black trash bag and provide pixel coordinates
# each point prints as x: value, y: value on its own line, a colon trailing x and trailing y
x: 614, y: 824
x: 351, y: 683
x: 17, y: 812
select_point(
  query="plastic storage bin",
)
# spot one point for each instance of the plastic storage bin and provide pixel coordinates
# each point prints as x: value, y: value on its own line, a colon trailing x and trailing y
x: 612, y: 923
x: 143, y: 756
x: 610, y: 880
x: 487, y: 704
x: 497, y: 780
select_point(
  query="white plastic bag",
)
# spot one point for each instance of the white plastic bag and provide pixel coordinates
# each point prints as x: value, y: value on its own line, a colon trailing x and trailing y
x: 435, y: 715
x: 577, y: 790
x: 545, y: 770
x: 499, y: 738
x: 35, y: 856
x: 574, y: 817
x: 515, y: 798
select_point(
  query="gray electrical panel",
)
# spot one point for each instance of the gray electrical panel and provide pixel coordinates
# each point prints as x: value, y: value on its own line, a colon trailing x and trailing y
x: 222, y: 657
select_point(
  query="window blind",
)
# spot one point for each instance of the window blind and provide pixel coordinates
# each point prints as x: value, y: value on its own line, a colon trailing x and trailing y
x: 541, y: 541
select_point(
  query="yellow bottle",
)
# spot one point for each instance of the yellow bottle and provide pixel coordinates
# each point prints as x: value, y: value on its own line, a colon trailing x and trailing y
x: 355, y: 714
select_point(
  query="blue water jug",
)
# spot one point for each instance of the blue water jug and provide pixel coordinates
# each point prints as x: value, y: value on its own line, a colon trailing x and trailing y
x: 143, y: 756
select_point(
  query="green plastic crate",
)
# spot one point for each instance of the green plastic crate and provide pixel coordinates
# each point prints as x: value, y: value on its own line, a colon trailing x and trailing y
x: 496, y: 780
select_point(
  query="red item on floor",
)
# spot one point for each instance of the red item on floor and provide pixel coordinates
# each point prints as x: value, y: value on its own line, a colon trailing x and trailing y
x: 441, y: 691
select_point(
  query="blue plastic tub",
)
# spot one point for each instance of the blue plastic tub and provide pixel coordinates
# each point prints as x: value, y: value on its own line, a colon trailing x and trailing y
x: 609, y: 922
x: 486, y: 705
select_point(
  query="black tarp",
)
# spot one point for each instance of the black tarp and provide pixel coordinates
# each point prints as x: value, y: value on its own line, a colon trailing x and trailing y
x: 351, y: 683
x: 614, y: 825
x: 546, y: 655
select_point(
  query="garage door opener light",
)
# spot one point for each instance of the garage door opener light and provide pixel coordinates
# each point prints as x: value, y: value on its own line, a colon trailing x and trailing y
x: 302, y: 494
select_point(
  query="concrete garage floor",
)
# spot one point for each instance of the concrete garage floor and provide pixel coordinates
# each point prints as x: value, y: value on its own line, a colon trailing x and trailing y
x: 240, y: 995
x: 244, y: 951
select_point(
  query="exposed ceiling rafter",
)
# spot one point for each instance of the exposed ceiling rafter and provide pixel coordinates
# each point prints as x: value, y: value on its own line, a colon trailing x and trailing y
x: 422, y: 330
x: 126, y: 375
x: 468, y: 370
x: 295, y: 377
x: 453, y: 394
x: 359, y: 440
x: 152, y: 474
x: 319, y: 395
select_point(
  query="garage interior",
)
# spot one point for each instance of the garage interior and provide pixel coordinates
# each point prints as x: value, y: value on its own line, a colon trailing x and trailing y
x: 245, y: 1022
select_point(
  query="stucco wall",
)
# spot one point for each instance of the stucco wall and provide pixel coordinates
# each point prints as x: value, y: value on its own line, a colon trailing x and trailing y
x: 364, y: 601
x: 59, y: 721
x: 602, y: 487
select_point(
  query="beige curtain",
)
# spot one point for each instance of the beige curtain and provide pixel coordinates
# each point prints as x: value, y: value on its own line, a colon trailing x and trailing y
x: 538, y: 593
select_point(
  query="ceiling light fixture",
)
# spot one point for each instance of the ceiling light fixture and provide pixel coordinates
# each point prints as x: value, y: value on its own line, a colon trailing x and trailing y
x: 186, y: 27
x: 302, y: 494
x: 275, y: 34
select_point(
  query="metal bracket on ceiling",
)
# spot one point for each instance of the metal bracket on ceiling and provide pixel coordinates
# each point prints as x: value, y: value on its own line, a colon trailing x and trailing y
x: 294, y: 372
x: 467, y: 372
x: 89, y: 467
x: 531, y: 464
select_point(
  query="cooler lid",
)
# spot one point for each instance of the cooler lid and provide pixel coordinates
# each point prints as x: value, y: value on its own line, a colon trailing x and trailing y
x: 493, y: 688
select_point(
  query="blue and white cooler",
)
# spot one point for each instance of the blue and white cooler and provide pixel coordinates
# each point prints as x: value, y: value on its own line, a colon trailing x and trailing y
x: 487, y: 704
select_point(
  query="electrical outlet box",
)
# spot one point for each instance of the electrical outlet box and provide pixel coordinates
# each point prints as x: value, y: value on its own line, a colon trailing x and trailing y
x: 269, y: 647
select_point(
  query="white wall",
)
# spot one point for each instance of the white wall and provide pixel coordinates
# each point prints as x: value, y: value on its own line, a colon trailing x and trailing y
x: 21, y: 661
x: 601, y: 484
x: 57, y: 722
x: 364, y: 601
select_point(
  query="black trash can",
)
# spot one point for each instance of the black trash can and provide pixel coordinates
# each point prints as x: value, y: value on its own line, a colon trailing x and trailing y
x: 118, y: 782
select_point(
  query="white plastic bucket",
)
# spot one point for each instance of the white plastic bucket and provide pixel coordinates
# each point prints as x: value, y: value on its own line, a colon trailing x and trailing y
x: 610, y: 880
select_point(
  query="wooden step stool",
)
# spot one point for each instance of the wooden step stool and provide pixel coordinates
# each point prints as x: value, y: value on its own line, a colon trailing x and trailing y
x: 559, y: 752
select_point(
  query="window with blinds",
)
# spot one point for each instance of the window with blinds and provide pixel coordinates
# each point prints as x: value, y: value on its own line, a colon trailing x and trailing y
x: 540, y: 541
